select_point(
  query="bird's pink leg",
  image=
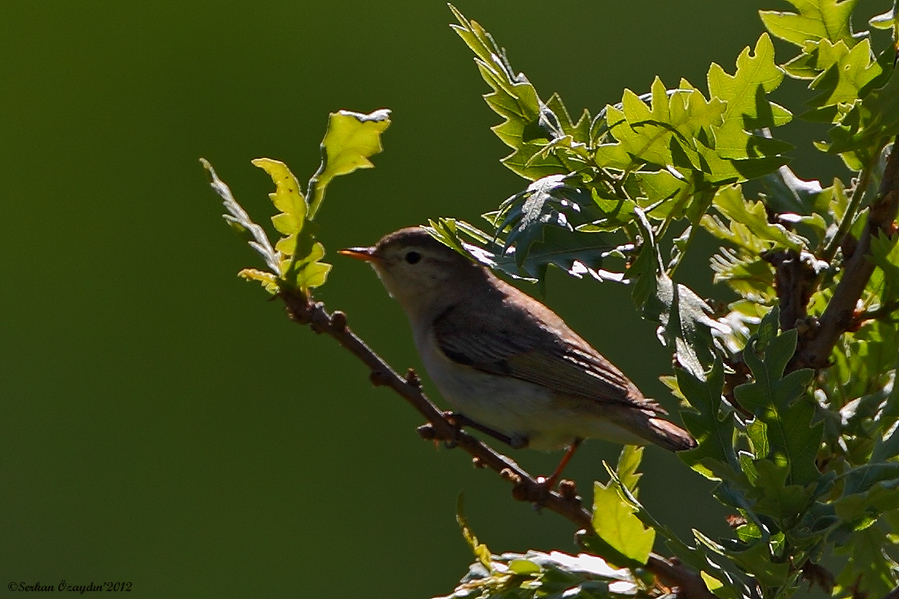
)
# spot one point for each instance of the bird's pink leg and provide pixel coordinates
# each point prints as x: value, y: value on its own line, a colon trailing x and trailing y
x: 550, y: 482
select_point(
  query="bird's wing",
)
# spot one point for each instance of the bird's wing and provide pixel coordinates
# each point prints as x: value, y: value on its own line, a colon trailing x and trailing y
x: 517, y: 347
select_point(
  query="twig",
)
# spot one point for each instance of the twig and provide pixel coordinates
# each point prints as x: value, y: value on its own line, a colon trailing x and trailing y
x: 861, y: 184
x: 442, y: 426
x: 885, y: 311
x: 814, y: 349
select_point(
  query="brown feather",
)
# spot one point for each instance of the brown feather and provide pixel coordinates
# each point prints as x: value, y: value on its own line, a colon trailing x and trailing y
x: 543, y: 351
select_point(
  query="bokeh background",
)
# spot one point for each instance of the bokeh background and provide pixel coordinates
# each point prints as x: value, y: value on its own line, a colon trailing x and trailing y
x: 162, y: 423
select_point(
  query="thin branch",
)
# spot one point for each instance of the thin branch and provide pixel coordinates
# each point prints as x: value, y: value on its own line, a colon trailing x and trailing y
x: 814, y: 349
x: 442, y: 426
x: 861, y: 184
x: 883, y: 312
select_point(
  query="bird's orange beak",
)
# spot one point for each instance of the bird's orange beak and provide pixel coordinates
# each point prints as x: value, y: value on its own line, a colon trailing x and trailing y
x: 366, y: 254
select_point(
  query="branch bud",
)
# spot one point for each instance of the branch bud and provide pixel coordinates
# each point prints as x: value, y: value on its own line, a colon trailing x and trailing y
x: 338, y: 321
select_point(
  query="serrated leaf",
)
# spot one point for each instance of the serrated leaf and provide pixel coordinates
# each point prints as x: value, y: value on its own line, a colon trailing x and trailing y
x: 547, y: 202
x: 747, y: 107
x: 774, y: 495
x: 886, y: 20
x: 869, y: 125
x: 240, y: 221
x: 350, y: 140
x: 531, y: 162
x: 816, y: 19
x: 268, y: 281
x: 577, y: 253
x: 580, y: 130
x: 529, y: 126
x: 776, y: 400
x: 845, y: 73
x: 662, y: 133
x: 748, y: 225
x: 666, y: 194
x: 306, y: 271
x: 683, y: 317
x: 678, y: 129
x: 628, y: 462
x: 744, y: 272
x: 714, y: 456
x: 757, y: 559
x: 615, y: 522
x: 287, y: 197
x: 869, y: 569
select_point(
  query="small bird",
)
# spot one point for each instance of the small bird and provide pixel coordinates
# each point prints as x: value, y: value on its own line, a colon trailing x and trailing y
x: 504, y: 360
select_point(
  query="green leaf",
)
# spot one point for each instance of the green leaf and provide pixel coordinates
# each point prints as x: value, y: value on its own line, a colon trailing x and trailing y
x: 539, y: 575
x: 580, y: 130
x: 615, y: 522
x: 713, y: 428
x: 776, y: 400
x: 351, y: 139
x: 869, y: 570
x: 774, y: 495
x: 885, y: 254
x: 757, y: 559
x: 744, y: 272
x: 747, y: 107
x: 845, y: 73
x: 887, y: 20
x: 628, y: 462
x: 685, y: 324
x: 576, y: 253
x: 664, y: 194
x: 305, y: 270
x: 785, y: 193
x: 288, y: 198
x: 480, y: 550
x: 868, y: 126
x: 266, y: 279
x: 551, y: 202
x: 240, y: 222
x: 679, y: 129
x: 301, y: 265
x: 815, y: 20
x: 529, y: 126
x: 748, y: 222
x: 662, y: 133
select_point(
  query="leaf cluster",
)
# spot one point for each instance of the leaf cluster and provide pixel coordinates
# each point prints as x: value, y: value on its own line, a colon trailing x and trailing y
x: 294, y: 261
x: 807, y: 461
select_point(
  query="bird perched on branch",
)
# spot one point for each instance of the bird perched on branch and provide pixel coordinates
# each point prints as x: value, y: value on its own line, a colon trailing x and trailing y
x: 504, y: 360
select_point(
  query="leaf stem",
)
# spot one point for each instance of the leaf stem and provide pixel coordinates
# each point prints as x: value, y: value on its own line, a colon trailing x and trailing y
x: 313, y: 193
x: 849, y: 216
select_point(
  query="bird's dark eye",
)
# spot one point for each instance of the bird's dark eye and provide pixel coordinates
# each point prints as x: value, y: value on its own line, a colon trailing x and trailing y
x: 412, y: 257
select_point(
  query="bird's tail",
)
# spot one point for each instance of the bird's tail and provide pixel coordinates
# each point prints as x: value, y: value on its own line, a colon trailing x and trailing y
x: 669, y: 435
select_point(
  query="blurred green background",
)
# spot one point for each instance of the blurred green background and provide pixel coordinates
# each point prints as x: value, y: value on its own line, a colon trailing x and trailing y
x: 163, y: 423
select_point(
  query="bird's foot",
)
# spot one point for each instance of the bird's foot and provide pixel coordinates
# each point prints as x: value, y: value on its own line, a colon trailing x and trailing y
x: 550, y: 482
